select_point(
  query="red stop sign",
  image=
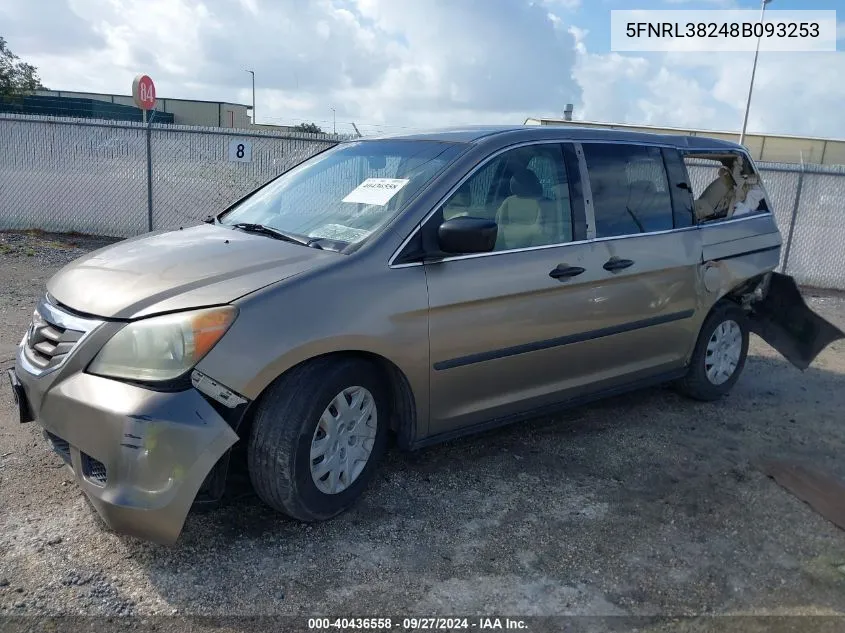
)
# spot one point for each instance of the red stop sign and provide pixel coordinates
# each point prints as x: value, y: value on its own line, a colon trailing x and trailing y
x: 144, y: 92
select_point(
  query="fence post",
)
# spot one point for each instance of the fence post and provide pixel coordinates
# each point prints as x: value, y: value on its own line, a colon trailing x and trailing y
x: 794, y: 216
x: 149, y: 176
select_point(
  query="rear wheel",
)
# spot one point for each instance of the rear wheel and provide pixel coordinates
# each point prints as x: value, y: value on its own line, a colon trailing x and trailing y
x: 318, y: 435
x: 719, y: 355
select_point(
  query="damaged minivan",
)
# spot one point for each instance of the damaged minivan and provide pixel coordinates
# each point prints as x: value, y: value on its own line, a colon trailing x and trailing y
x: 418, y: 287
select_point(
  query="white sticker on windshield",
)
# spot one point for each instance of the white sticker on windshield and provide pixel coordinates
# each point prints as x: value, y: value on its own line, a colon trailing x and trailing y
x: 376, y: 191
x: 339, y: 232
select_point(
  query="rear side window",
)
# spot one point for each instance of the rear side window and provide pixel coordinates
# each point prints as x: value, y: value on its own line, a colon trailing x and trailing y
x: 630, y: 189
x: 724, y: 185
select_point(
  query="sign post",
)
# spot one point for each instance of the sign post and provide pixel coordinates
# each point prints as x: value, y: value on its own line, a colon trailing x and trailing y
x: 144, y: 95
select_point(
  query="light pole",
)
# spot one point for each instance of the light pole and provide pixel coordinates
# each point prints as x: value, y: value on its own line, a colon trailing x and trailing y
x: 334, y: 121
x: 253, y: 95
x: 753, y: 72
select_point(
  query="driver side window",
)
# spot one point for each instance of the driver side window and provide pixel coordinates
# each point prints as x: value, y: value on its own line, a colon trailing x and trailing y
x: 525, y: 191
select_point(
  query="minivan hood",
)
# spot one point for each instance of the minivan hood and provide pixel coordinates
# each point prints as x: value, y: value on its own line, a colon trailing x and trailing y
x: 177, y: 270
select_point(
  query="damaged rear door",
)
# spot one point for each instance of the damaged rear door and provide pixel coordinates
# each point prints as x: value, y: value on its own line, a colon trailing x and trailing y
x: 785, y: 322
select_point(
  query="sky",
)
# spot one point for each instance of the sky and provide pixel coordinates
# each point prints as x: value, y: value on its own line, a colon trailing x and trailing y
x: 390, y: 65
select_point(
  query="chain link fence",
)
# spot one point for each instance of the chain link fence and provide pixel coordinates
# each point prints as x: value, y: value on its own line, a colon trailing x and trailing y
x: 199, y: 173
x: 64, y: 176
x: 123, y: 179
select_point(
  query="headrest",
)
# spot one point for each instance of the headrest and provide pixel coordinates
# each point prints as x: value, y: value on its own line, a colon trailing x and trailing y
x: 525, y: 184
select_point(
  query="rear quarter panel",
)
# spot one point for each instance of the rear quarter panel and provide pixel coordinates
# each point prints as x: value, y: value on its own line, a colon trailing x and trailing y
x: 734, y: 251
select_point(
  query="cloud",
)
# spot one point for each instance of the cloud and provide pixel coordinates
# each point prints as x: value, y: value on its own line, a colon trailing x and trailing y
x: 379, y: 61
x: 794, y: 93
x: 389, y: 64
x: 566, y: 5
x: 726, y: 4
x: 462, y: 54
x: 52, y: 27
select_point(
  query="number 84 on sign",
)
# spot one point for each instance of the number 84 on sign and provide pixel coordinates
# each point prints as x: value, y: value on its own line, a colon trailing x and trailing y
x: 240, y: 150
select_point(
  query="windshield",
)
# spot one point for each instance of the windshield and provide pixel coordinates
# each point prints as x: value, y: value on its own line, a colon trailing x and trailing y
x: 346, y: 193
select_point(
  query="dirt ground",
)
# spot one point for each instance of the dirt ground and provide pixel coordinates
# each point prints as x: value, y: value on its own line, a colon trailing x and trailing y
x: 646, y: 504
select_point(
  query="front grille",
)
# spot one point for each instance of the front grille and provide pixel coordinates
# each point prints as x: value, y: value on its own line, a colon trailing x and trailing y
x: 48, y: 344
x: 49, y: 340
x: 60, y: 446
x: 94, y: 470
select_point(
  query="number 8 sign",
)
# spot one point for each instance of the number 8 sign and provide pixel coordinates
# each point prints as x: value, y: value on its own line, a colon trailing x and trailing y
x: 240, y: 150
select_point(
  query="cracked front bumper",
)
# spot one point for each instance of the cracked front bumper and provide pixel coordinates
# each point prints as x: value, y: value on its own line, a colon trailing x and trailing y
x: 139, y: 455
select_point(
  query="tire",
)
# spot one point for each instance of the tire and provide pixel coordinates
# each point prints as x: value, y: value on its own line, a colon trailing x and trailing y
x: 701, y: 384
x: 285, y: 426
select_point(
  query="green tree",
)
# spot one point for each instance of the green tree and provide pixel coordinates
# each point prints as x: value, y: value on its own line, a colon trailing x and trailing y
x: 16, y: 77
x: 310, y: 128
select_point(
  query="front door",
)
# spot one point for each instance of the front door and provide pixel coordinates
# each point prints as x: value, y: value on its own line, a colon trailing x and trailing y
x: 506, y: 326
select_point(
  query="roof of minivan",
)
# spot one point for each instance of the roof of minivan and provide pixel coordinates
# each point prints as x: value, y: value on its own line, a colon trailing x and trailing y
x: 472, y: 134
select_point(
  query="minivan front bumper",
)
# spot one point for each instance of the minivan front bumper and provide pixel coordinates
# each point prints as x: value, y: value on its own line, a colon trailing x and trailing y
x: 139, y: 455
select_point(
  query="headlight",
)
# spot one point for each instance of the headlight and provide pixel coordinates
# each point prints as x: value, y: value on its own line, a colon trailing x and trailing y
x: 164, y: 347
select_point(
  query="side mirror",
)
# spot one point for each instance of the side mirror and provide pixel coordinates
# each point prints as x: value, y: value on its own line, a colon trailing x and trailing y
x: 467, y: 235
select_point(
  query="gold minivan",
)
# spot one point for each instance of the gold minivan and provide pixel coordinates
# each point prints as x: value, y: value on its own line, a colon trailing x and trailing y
x: 425, y: 286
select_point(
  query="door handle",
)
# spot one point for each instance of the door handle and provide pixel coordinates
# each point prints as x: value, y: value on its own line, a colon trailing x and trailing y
x: 565, y: 272
x: 614, y: 263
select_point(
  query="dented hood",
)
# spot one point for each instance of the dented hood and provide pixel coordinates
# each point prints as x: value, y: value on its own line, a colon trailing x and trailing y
x: 177, y: 270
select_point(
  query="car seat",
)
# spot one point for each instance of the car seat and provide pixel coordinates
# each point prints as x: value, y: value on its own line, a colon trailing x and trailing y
x: 520, y: 215
x: 718, y: 197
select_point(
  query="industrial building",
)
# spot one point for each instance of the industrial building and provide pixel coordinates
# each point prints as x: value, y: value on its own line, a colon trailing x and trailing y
x: 763, y: 147
x: 79, y: 108
x: 176, y: 111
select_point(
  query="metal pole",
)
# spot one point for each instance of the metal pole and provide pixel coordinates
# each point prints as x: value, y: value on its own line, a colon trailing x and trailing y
x: 253, y: 96
x: 753, y: 72
x: 149, y: 177
x: 334, y: 121
x: 795, y: 207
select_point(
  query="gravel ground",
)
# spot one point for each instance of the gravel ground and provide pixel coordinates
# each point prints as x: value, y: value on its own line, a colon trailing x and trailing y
x: 645, y: 504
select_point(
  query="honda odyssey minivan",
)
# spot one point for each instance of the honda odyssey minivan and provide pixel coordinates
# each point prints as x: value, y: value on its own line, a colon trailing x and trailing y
x: 422, y: 286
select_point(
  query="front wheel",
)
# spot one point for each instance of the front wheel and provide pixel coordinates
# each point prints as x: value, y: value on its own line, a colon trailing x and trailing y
x: 719, y: 354
x: 318, y: 435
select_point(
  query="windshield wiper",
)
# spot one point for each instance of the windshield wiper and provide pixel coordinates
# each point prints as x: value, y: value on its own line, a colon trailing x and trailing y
x: 250, y: 227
